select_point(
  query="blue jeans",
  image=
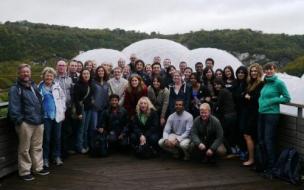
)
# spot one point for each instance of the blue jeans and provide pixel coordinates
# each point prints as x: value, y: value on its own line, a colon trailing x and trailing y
x: 96, y: 118
x: 52, y: 134
x: 267, y: 132
x: 83, y: 129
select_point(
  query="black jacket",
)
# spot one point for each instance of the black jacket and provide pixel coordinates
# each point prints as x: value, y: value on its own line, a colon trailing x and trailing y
x: 150, y: 127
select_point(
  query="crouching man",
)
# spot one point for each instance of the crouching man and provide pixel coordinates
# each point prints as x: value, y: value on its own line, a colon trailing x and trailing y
x: 206, y: 136
x: 177, y: 130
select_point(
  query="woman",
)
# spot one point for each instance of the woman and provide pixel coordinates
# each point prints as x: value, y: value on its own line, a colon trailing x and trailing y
x: 135, y: 90
x: 219, y: 73
x: 273, y: 93
x: 199, y: 94
x: 79, y: 67
x: 101, y: 94
x: 159, y: 96
x: 145, y: 128
x: 224, y: 108
x: 169, y: 75
x: 187, y: 72
x: 178, y: 90
x: 83, y: 95
x: 139, y: 67
x: 229, y: 78
x: 208, y: 77
x: 148, y: 69
x: 54, y: 112
x: 251, y: 106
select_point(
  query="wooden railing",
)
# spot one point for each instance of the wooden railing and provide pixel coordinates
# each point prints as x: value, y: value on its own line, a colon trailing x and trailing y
x: 290, y: 134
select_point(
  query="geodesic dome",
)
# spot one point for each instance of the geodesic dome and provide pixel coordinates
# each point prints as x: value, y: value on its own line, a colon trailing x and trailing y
x: 148, y: 49
x: 221, y: 58
x: 102, y: 56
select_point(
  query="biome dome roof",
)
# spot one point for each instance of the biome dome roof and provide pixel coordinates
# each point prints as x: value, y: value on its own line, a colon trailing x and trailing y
x: 221, y: 58
x: 102, y: 56
x: 148, y: 49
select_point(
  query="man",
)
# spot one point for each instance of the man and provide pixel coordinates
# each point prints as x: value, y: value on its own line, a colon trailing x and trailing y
x: 118, y: 85
x: 121, y: 63
x: 209, y: 63
x: 139, y: 66
x: 166, y: 63
x: 199, y: 67
x: 182, y: 67
x: 207, y: 136
x: 133, y: 58
x: 157, y: 59
x: 177, y: 130
x: 73, y: 71
x: 114, y: 123
x: 156, y: 69
x: 25, y: 110
x: 67, y: 130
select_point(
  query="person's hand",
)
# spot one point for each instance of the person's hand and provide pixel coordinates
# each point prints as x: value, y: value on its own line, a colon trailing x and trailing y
x: 209, y: 152
x: 142, y: 140
x: 121, y: 136
x: 201, y: 146
x: 167, y: 143
x: 247, y: 96
x: 208, y: 99
x: 162, y: 121
x: 80, y: 117
x: 100, y: 130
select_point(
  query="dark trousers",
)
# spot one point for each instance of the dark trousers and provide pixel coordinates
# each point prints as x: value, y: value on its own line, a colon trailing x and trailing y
x: 267, y: 132
x: 115, y: 142
x: 151, y: 139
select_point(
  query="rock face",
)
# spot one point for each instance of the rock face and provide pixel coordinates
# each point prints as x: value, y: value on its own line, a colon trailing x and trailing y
x: 247, y: 59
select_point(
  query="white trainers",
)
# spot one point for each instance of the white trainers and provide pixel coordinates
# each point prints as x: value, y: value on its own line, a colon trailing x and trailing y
x: 58, y: 162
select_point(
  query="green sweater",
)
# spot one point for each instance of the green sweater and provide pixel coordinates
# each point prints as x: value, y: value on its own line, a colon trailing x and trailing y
x: 272, y: 95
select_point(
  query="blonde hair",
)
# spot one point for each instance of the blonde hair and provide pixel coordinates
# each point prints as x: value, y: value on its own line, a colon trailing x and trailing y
x: 205, y: 106
x: 48, y: 70
x: 150, y: 105
x: 252, y: 84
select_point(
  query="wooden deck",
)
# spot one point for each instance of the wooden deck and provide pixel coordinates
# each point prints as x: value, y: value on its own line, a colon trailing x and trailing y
x: 126, y: 172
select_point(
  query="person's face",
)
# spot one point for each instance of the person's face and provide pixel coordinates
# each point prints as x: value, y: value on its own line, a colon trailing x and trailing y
x: 89, y: 66
x: 199, y: 68
x: 204, y: 113
x: 209, y: 64
x: 73, y: 67
x: 228, y: 73
x: 134, y: 82
x: 48, y: 78
x: 132, y: 58
x: 193, y: 80
x: 172, y: 71
x: 86, y: 75
x: 182, y: 66
x: 217, y: 87
x: 94, y: 65
x: 269, y: 72
x: 241, y: 75
x: 156, y: 59
x: 61, y: 67
x: 209, y: 74
x: 177, y: 78
x: 79, y: 67
x: 179, y: 106
x: 218, y: 75
x: 156, y: 83
x: 121, y: 63
x: 139, y: 66
x: 25, y: 74
x: 148, y: 69
x: 126, y: 70
x: 156, y: 69
x: 166, y: 63
x: 143, y: 106
x: 101, y: 72
x: 187, y: 73
x: 253, y: 73
x: 117, y: 73
x: 114, y: 102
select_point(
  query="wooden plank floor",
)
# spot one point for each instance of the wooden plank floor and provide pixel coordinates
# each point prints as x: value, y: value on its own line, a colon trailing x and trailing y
x: 126, y: 172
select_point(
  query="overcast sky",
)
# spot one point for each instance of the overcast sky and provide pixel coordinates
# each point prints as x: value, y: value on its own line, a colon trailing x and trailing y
x: 164, y: 16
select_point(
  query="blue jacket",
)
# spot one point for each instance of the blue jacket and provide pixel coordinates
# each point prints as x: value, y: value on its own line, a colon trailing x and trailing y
x: 25, y: 104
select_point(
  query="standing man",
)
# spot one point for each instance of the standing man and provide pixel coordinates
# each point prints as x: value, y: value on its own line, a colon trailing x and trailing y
x: 73, y: 71
x: 118, y: 85
x: 209, y: 63
x: 177, y: 130
x: 199, y: 67
x: 66, y: 85
x: 25, y: 109
x: 166, y: 63
x: 182, y: 67
x: 207, y: 136
x: 133, y: 58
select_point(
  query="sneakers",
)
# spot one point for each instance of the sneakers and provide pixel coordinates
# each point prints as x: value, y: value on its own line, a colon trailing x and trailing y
x: 58, y: 161
x: 84, y: 151
x: 46, y: 163
x: 28, y: 177
x: 43, y: 172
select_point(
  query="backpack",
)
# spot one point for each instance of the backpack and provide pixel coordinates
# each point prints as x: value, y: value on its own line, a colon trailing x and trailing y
x: 288, y: 166
x: 260, y: 158
x: 99, y: 145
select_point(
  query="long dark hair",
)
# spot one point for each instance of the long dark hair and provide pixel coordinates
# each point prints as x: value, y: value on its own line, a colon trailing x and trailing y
x: 106, y: 75
x: 81, y: 77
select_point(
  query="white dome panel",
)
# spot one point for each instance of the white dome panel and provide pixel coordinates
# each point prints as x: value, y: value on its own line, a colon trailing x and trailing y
x: 148, y: 49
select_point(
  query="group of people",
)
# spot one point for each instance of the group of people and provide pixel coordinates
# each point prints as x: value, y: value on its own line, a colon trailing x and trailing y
x: 145, y: 108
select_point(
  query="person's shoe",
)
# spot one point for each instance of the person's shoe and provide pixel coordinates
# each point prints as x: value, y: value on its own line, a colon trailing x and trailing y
x: 268, y: 174
x: 71, y: 152
x: 84, y: 151
x: 28, y: 177
x: 43, y: 172
x: 46, y: 163
x: 58, y: 161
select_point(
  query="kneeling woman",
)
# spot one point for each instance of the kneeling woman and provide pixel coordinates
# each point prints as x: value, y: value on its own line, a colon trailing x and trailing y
x: 145, y: 128
x: 54, y: 109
